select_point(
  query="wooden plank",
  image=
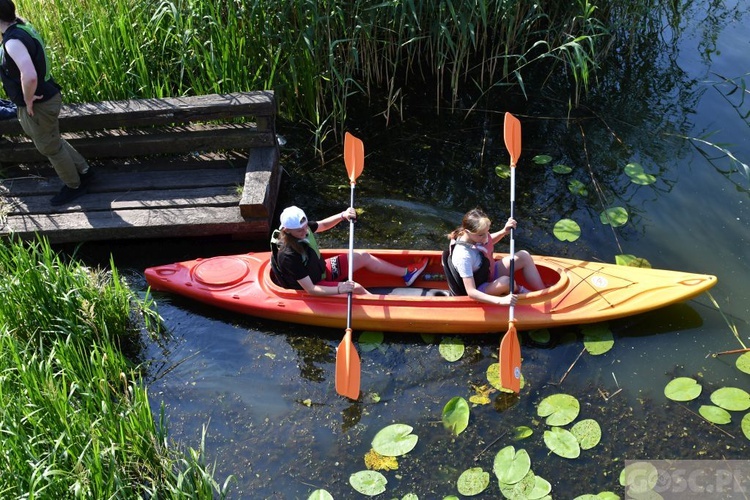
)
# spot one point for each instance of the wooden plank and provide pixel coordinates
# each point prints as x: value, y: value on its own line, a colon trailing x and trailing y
x: 262, y: 179
x: 139, y: 112
x: 128, y: 146
x: 142, y: 223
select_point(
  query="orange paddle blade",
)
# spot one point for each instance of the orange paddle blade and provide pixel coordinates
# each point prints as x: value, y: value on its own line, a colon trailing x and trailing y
x: 354, y: 156
x: 347, y: 368
x: 512, y: 136
x: 510, y: 360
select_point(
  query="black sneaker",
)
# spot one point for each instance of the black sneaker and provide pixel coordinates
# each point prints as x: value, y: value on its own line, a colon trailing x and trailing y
x: 67, y: 194
x: 87, y: 177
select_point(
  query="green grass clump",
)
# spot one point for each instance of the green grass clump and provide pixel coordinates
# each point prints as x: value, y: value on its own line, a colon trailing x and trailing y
x: 75, y: 419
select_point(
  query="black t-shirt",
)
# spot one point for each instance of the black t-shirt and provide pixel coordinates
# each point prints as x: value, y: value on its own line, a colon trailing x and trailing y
x: 293, y: 266
x: 11, y: 75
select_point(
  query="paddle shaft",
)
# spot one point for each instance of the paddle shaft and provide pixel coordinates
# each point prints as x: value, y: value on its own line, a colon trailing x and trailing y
x: 351, y: 261
x: 511, y: 310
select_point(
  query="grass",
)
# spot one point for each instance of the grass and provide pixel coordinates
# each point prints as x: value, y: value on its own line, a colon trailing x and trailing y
x: 75, y: 417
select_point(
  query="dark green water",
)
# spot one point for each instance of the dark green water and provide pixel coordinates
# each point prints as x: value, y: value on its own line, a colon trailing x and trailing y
x: 265, y: 390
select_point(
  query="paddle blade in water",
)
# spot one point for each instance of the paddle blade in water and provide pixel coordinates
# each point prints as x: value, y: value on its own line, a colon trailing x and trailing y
x: 512, y: 134
x: 510, y: 360
x: 354, y: 156
x: 347, y: 368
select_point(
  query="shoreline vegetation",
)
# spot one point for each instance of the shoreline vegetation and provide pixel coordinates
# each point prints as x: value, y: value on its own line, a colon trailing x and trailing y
x: 318, y: 54
x: 76, y: 419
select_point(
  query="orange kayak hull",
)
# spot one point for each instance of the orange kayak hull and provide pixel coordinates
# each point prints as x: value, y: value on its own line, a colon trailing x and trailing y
x: 577, y: 292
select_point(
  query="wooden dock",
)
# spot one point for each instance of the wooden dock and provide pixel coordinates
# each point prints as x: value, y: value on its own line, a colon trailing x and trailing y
x: 196, y: 192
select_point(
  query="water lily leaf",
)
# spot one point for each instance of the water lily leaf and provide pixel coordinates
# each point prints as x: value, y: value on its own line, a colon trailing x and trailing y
x: 637, y: 175
x: 746, y: 425
x: 560, y: 409
x: 521, y: 489
x: 632, y: 261
x: 394, y: 440
x: 451, y: 497
x: 639, y: 477
x: 561, y: 169
x: 368, y: 482
x: 428, y: 338
x: 473, y: 481
x: 715, y: 414
x: 456, y: 415
x: 615, y: 216
x: 597, y: 338
x: 542, y: 488
x: 731, y: 398
x: 542, y: 159
x: 482, y: 396
x: 410, y: 496
x: 578, y: 188
x: 320, y: 495
x: 683, y: 389
x: 376, y: 461
x: 493, y: 377
x: 451, y: 348
x: 522, y: 432
x: 562, y: 442
x: 604, y: 495
x: 369, y: 341
x: 743, y: 363
x: 510, y: 466
x: 540, y: 336
x: 567, y: 230
x: 503, y: 171
x: 587, y: 432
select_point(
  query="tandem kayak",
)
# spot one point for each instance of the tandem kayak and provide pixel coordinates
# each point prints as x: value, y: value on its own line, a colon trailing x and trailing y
x: 577, y: 292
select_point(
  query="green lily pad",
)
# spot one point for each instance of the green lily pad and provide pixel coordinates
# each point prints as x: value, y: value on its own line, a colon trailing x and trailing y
x: 683, y: 389
x: 597, y: 338
x: 715, y: 414
x: 510, y: 466
x: 473, y: 481
x: 542, y: 488
x: 731, y: 398
x: 456, y: 415
x: 320, y: 495
x: 562, y: 442
x: 561, y: 169
x: 604, y: 495
x: 428, y: 338
x: 451, y: 348
x: 746, y: 425
x: 639, y: 477
x: 560, y: 409
x: 540, y: 336
x: 587, y: 432
x: 578, y: 188
x: 369, y: 341
x: 368, y: 482
x: 542, y: 159
x: 743, y: 363
x: 394, y: 440
x: 615, y: 216
x: 410, y: 496
x: 522, y: 432
x: 520, y: 489
x: 632, y: 261
x: 637, y: 175
x: 493, y: 377
x: 503, y: 171
x: 567, y: 230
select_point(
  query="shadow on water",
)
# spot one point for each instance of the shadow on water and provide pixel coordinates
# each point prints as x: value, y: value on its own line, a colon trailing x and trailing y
x: 265, y: 389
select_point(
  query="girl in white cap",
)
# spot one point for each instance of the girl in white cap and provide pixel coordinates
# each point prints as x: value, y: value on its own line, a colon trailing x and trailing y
x: 297, y: 263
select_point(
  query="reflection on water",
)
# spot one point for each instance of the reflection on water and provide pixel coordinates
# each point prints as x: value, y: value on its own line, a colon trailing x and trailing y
x: 266, y: 391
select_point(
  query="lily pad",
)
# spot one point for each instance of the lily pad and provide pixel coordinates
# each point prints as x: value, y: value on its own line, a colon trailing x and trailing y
x: 604, y: 495
x: 743, y: 363
x: 587, y: 432
x: 493, y: 377
x: 615, y: 216
x: 639, y: 477
x: 522, y: 432
x: 540, y: 335
x: 567, y: 230
x: 683, y: 389
x: 456, y: 415
x: 638, y: 175
x: 746, y: 425
x: 320, y: 495
x: 376, y: 461
x: 597, y: 338
x: 562, y: 442
x: 368, y: 482
x: 578, y: 188
x: 369, y: 341
x: 394, y: 440
x: 560, y: 409
x: 451, y: 348
x: 520, y: 489
x: 731, y: 398
x: 632, y: 261
x: 542, y: 488
x: 473, y: 481
x: 542, y: 159
x: 503, y: 171
x: 714, y: 414
x: 510, y: 466
x: 561, y: 169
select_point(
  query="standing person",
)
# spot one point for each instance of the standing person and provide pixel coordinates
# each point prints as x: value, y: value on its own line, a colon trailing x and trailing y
x: 483, y: 278
x: 25, y: 72
x: 297, y: 263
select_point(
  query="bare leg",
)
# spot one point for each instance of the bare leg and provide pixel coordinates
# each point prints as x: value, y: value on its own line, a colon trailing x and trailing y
x: 376, y: 265
x: 524, y: 262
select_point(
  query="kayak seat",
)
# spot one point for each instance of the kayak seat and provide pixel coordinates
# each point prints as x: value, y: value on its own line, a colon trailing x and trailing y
x: 455, y: 283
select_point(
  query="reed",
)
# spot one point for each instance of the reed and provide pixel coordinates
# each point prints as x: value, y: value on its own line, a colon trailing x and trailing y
x: 76, y: 419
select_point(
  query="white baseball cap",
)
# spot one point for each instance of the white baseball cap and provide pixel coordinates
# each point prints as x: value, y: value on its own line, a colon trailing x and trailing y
x: 293, y: 218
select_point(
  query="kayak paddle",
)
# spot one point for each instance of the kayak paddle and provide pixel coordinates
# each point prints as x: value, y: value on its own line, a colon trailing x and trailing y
x: 510, y: 349
x: 347, y: 359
